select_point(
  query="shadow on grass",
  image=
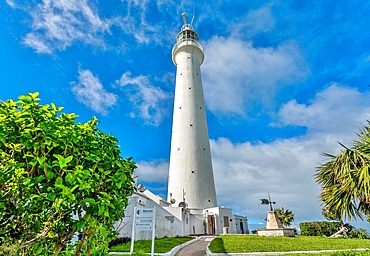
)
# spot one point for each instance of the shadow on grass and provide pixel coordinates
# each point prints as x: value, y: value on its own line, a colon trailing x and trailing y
x: 217, y: 246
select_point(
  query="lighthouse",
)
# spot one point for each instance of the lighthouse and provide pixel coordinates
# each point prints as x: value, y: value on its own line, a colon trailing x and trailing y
x: 191, y: 206
x: 190, y: 181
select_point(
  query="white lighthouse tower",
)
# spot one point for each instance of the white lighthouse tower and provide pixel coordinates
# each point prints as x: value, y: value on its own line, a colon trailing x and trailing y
x: 191, y: 206
x: 190, y: 181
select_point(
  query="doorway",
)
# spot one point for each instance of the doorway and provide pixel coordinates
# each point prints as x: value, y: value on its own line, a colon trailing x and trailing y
x: 211, y: 224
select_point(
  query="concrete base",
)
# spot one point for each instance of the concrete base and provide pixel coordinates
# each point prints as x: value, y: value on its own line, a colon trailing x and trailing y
x: 276, y: 232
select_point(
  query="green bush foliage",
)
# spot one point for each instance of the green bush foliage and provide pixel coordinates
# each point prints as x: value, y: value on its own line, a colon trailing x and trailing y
x: 359, y: 233
x: 58, y: 177
x: 321, y: 228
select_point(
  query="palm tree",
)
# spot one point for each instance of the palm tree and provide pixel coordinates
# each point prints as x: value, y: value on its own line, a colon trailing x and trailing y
x: 285, y: 216
x: 345, y: 179
x: 332, y: 216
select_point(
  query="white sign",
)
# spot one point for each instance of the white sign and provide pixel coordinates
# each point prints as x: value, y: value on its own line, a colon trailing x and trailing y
x: 144, y: 219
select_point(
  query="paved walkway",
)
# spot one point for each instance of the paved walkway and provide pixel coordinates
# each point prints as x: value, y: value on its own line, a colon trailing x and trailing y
x: 197, y: 248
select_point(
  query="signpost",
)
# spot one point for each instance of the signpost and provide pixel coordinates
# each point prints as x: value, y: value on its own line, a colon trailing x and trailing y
x: 144, y: 219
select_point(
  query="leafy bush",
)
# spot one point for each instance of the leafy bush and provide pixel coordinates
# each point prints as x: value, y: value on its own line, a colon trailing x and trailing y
x: 58, y: 177
x: 359, y: 233
x: 321, y: 228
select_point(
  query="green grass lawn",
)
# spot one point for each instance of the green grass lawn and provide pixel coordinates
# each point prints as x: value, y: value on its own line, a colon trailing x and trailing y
x: 255, y: 243
x: 161, y: 245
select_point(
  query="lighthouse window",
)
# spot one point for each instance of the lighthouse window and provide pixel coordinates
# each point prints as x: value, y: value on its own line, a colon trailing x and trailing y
x: 188, y: 57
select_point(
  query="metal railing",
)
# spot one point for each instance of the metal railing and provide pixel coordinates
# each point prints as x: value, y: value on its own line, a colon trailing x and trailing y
x: 187, y: 41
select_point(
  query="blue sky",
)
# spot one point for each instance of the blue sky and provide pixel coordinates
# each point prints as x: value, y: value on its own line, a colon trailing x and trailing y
x: 284, y: 81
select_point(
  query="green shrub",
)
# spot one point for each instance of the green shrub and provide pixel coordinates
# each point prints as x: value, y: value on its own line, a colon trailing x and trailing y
x: 359, y: 233
x: 321, y: 228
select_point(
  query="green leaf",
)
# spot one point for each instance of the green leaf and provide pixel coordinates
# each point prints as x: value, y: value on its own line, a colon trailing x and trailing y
x: 119, y: 184
x: 34, y: 95
x: 91, y: 201
x: 80, y: 225
x: 69, y: 159
x: 103, y: 231
x: 70, y: 179
x: 41, y: 160
x: 51, y: 175
x: 59, y: 181
x: 73, y: 189
x: 25, y: 99
x: 39, y: 251
x: 38, y: 179
x: 51, y: 196
x: 101, y: 209
x: 61, y: 160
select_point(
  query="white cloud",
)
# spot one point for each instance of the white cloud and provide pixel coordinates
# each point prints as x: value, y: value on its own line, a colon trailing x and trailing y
x: 90, y: 91
x: 152, y: 172
x: 58, y: 24
x: 11, y: 3
x: 135, y: 23
x: 241, y: 76
x: 284, y: 168
x: 149, y: 101
x: 259, y: 20
x: 334, y: 109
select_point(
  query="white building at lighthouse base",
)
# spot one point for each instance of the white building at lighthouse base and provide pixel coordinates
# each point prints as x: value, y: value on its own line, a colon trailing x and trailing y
x: 178, y: 221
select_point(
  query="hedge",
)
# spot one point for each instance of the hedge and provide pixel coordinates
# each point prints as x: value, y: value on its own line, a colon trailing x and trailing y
x: 321, y: 228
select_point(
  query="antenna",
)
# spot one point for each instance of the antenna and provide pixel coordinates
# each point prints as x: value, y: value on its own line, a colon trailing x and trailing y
x: 191, y: 22
x: 184, y: 18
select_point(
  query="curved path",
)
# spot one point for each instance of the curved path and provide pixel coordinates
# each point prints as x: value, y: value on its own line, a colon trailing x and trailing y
x: 197, y: 248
